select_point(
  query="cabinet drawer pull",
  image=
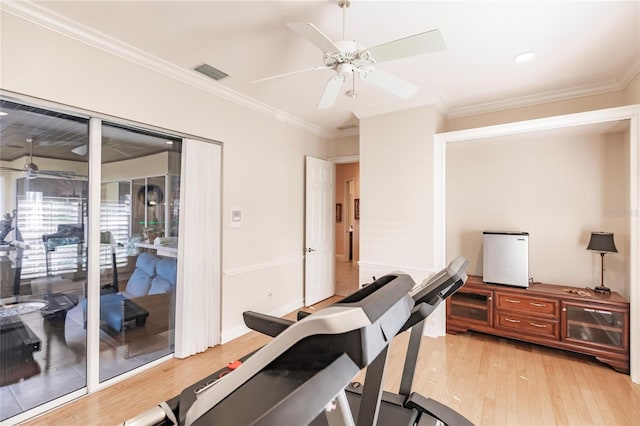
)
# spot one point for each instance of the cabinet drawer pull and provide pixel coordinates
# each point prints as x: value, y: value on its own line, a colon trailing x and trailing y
x: 511, y: 320
x: 511, y: 300
x: 537, y: 325
x: 540, y: 305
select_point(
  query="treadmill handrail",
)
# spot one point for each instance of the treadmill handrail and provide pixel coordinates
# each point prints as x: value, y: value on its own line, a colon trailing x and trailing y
x: 331, y: 320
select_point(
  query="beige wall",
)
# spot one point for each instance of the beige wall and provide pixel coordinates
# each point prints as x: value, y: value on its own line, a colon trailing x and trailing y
x: 150, y: 165
x: 344, y: 147
x: 345, y: 173
x: 557, y: 186
x: 263, y: 158
x: 396, y: 175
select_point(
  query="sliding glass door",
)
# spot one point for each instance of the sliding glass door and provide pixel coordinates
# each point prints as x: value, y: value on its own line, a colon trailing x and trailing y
x: 43, y: 256
x: 58, y: 274
x: 140, y: 201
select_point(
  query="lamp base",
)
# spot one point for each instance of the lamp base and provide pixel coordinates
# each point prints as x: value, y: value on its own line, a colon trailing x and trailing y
x: 602, y: 289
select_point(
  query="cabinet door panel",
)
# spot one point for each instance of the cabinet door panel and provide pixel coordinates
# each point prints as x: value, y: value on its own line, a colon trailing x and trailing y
x: 472, y: 306
x: 595, y: 325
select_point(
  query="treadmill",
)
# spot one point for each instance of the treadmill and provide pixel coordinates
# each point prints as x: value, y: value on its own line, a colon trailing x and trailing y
x: 389, y: 407
x: 303, y: 372
x: 369, y: 404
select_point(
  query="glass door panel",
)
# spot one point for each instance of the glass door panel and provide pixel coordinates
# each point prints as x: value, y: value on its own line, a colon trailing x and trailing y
x: 595, y: 326
x: 471, y: 305
x: 43, y: 256
x: 139, y: 264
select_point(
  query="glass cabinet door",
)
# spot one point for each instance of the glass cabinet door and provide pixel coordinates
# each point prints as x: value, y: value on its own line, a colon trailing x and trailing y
x: 595, y: 326
x: 471, y: 305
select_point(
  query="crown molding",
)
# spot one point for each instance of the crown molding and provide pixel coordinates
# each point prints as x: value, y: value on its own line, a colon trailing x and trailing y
x: 434, y: 100
x: 352, y: 131
x: 632, y: 70
x: 44, y: 17
x: 540, y: 98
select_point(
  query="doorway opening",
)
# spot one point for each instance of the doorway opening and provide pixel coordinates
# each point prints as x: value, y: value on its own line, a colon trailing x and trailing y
x: 347, y: 228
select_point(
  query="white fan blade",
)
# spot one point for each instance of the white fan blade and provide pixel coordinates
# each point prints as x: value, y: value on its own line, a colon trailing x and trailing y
x: 331, y: 92
x: 418, y: 44
x: 314, y: 35
x: 291, y: 73
x: 388, y: 82
x: 58, y: 143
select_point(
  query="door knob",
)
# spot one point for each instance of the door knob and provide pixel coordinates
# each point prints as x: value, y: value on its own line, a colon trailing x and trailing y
x: 309, y: 250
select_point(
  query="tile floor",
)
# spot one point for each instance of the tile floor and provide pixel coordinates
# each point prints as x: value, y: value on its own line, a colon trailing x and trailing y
x: 60, y: 365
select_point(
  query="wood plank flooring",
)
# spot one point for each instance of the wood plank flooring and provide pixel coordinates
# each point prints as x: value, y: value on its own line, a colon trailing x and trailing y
x: 490, y: 380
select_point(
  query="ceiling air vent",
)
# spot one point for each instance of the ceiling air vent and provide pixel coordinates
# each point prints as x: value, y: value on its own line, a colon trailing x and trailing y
x: 211, y: 72
x: 348, y: 126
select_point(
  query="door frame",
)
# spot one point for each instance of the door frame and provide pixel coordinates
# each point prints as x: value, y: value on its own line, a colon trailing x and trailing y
x: 631, y: 113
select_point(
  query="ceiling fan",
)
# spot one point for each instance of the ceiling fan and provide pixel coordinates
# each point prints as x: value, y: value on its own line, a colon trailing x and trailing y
x: 350, y: 59
x: 32, y: 170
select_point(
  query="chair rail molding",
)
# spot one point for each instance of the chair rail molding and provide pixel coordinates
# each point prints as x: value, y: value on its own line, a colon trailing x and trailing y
x: 265, y: 265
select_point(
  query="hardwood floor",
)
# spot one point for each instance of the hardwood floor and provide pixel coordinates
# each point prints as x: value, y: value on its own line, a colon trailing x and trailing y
x: 490, y: 380
x: 346, y: 277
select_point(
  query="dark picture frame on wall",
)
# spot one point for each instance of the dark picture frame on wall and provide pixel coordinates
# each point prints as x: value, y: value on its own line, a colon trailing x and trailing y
x: 356, y: 209
x: 338, y: 212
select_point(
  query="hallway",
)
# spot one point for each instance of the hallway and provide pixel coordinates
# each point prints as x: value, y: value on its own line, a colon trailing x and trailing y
x: 346, y: 277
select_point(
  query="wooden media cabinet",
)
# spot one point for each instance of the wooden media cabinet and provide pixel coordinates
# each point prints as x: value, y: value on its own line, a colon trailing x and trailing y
x: 593, y: 324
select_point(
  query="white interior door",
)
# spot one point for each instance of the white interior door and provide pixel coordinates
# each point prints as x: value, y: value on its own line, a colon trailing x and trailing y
x: 319, y: 231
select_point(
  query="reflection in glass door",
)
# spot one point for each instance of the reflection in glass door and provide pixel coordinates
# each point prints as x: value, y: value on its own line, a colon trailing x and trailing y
x: 43, y: 256
x: 139, y: 245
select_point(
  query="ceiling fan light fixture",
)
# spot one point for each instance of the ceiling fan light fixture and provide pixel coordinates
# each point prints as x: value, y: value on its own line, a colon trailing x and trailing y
x: 30, y: 167
x: 525, y: 56
x: 352, y: 94
x: 80, y: 150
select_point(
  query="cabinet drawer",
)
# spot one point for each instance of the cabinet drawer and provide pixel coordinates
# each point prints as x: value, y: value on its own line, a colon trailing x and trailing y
x: 529, y: 305
x: 539, y: 327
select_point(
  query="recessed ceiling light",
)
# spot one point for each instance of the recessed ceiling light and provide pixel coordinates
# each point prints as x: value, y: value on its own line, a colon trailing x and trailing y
x: 169, y: 142
x: 525, y: 56
x: 3, y: 113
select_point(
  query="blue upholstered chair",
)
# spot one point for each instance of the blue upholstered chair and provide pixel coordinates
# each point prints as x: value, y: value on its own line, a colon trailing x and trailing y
x: 146, y: 299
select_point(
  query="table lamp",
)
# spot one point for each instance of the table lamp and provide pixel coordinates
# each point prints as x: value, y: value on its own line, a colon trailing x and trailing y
x: 602, y: 242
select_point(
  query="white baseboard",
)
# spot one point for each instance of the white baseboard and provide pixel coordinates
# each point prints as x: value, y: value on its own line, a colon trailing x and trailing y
x: 239, y: 330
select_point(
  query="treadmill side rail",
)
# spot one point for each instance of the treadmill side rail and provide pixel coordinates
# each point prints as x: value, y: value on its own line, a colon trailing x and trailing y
x: 437, y: 410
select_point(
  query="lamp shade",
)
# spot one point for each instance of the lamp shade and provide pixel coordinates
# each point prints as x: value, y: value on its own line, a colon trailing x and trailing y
x: 602, y: 242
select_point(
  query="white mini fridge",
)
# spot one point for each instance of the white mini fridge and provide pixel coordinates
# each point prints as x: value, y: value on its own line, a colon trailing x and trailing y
x: 506, y: 258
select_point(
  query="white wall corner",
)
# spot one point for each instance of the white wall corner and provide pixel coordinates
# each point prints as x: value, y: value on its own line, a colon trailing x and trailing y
x: 239, y: 330
x: 436, y: 323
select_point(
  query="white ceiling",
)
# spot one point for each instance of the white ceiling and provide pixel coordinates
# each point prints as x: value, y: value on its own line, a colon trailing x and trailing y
x: 582, y: 47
